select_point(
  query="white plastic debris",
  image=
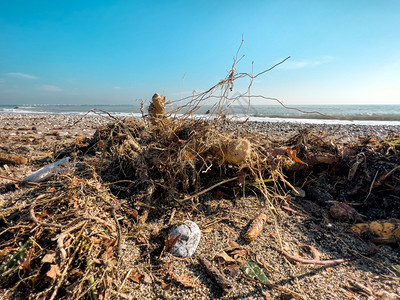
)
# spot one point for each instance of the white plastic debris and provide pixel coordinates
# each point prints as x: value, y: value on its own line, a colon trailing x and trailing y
x: 49, y: 170
x: 188, y: 241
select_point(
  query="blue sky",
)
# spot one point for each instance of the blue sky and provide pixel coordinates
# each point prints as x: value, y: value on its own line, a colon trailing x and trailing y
x: 114, y: 52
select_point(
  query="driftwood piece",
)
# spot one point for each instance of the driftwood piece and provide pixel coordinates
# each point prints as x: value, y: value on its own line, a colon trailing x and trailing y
x: 13, y: 159
x: 216, y: 275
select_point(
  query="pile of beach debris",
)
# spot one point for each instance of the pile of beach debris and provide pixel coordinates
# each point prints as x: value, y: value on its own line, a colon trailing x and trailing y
x: 63, y: 238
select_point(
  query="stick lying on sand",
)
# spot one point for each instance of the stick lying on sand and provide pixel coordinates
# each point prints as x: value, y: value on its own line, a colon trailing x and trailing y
x: 318, y: 262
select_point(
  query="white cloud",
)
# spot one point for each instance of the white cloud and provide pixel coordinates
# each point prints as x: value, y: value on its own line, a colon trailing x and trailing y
x: 21, y: 75
x: 307, y: 62
x: 117, y: 87
x: 51, y: 88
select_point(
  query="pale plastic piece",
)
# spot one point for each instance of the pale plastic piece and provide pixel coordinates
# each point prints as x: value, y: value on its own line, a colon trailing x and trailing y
x: 188, y: 241
x: 298, y: 193
x: 49, y: 170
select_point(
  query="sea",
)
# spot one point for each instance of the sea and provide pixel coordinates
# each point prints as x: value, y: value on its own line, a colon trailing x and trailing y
x: 317, y: 114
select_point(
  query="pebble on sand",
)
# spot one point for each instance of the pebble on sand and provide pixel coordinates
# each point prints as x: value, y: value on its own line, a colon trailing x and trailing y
x: 188, y: 241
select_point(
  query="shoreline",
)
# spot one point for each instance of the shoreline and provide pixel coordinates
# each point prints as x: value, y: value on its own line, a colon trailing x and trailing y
x: 346, y: 131
x: 375, y: 119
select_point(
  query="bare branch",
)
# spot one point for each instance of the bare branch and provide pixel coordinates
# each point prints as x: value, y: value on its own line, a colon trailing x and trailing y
x: 317, y: 262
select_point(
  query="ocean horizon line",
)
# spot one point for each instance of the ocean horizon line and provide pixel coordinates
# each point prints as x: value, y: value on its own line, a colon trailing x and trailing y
x: 317, y: 113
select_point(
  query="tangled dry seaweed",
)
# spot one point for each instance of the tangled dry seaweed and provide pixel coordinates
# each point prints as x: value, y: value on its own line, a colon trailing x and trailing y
x: 63, y: 238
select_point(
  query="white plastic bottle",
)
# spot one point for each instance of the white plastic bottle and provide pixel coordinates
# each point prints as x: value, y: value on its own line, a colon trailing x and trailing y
x: 49, y: 170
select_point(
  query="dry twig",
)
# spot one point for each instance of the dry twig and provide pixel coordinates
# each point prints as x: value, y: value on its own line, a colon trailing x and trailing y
x: 216, y: 275
x: 317, y: 262
x: 19, y: 180
x: 209, y: 189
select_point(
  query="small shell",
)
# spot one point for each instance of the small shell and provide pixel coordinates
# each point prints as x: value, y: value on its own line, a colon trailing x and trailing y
x: 256, y: 227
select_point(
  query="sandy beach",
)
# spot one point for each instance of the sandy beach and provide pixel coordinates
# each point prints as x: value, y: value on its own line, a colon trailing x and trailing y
x: 373, y: 272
